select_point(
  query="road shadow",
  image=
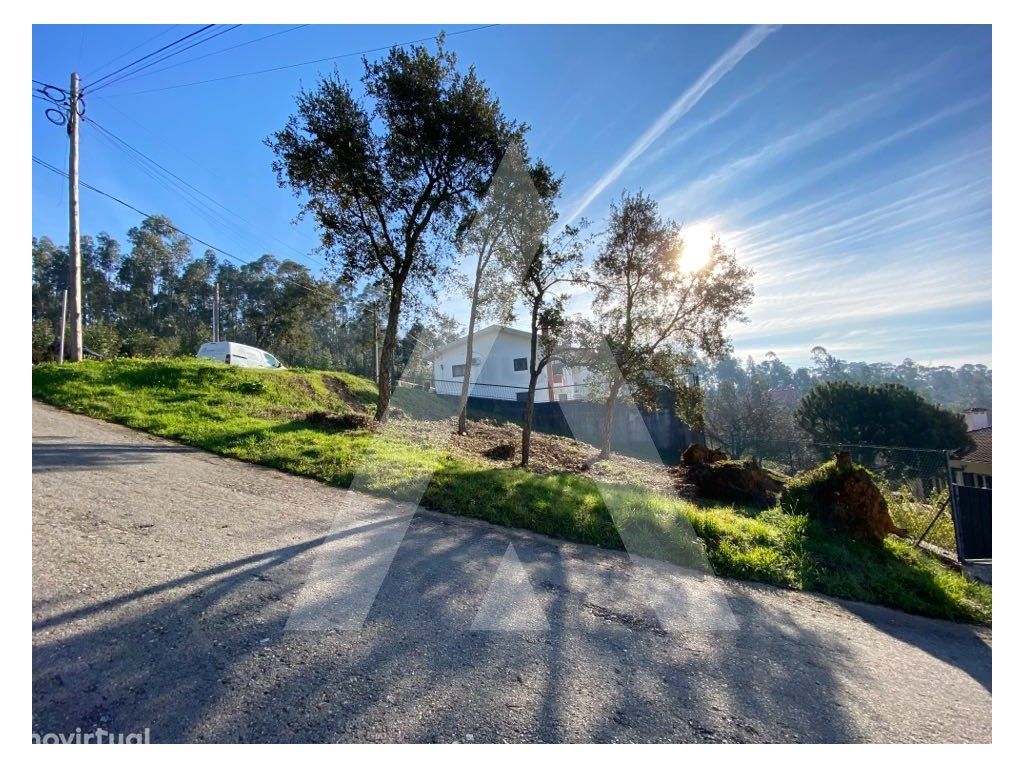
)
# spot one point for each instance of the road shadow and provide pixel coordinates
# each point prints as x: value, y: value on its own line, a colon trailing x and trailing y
x: 205, y: 657
x: 66, y: 456
x: 958, y: 645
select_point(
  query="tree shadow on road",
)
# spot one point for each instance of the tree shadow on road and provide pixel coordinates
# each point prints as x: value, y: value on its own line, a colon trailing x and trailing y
x: 205, y: 657
x: 66, y: 456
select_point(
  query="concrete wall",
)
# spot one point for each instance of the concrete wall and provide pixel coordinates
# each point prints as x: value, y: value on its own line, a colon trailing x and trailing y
x: 630, y: 430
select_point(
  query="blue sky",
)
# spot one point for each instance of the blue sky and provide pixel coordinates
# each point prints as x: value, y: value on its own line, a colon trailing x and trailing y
x: 850, y: 167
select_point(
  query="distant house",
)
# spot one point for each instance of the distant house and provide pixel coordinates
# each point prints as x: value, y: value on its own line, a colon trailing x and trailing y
x: 973, y: 467
x: 500, y: 368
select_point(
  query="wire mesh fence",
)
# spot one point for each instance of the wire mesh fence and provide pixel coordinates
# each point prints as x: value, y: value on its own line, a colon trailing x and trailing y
x: 915, y: 481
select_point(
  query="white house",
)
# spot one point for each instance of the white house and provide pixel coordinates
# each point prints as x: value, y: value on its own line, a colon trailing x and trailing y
x: 501, y: 368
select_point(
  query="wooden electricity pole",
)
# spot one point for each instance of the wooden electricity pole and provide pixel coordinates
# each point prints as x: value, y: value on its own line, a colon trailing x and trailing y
x: 63, y: 326
x: 216, y: 311
x: 74, y: 241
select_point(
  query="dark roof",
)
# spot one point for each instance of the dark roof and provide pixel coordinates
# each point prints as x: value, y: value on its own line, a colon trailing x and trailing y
x: 982, y: 451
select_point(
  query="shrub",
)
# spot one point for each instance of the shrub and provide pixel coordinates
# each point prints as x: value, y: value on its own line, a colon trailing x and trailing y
x: 102, y: 338
x: 43, y: 338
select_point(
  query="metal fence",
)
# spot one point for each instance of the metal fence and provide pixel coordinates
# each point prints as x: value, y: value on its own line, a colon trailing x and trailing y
x: 925, y: 470
x: 572, y: 413
x: 915, y: 481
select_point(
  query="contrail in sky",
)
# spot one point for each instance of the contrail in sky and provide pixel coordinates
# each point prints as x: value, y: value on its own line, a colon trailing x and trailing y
x: 725, y: 63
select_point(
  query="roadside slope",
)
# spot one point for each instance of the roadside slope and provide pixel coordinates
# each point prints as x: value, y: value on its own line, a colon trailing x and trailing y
x: 314, y: 424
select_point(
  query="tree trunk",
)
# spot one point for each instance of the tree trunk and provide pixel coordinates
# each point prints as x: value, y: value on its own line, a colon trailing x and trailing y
x: 531, y: 393
x: 468, y: 369
x: 387, y: 356
x: 609, y: 419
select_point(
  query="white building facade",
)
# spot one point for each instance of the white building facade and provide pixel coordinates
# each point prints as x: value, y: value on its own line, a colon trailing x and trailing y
x: 501, y: 369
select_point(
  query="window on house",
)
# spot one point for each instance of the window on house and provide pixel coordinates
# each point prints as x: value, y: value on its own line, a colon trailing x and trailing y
x: 562, y: 396
x: 458, y: 371
x: 519, y: 364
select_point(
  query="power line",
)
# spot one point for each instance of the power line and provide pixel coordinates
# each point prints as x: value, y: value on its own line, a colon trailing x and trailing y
x: 130, y: 50
x: 166, y: 181
x: 128, y: 79
x: 150, y: 55
x: 124, y: 144
x: 301, y: 63
x: 205, y: 167
x: 166, y: 56
x: 142, y: 213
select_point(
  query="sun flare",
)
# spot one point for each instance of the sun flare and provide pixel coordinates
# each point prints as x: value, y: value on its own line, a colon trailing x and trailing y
x: 698, y: 240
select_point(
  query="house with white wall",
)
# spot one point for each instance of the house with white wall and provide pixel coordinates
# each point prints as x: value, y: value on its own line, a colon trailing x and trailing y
x: 973, y: 467
x: 500, y: 369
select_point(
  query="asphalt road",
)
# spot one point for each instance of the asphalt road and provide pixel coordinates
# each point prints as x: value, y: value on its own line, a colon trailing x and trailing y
x: 199, y: 597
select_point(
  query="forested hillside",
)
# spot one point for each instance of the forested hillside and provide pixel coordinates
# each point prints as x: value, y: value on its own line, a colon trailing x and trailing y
x: 150, y: 296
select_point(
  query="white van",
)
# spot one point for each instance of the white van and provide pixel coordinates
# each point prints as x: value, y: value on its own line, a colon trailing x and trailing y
x: 238, y: 354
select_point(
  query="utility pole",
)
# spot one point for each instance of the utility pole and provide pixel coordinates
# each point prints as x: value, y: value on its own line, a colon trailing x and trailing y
x: 74, y: 241
x: 63, y: 326
x: 216, y: 311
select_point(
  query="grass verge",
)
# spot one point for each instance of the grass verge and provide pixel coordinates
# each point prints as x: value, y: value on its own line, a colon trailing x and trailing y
x: 262, y: 417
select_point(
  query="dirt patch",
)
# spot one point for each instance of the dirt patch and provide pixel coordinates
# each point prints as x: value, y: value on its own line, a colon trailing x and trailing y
x: 502, y: 451
x: 500, y: 444
x: 340, y: 390
x: 300, y: 383
x: 714, y: 476
x: 339, y: 422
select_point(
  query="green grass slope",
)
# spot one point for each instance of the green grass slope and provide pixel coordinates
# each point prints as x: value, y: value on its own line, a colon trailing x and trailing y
x: 263, y: 416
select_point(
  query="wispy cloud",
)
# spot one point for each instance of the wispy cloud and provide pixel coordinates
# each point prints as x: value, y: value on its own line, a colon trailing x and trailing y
x: 853, y: 196
x: 725, y: 64
x: 776, y: 193
x: 836, y: 120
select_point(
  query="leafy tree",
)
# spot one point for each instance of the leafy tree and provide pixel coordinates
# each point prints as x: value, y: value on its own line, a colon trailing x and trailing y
x: 277, y: 305
x: 649, y: 310
x: 148, y: 275
x: 826, y: 366
x: 499, y: 235
x: 555, y: 263
x: 540, y: 264
x: 387, y: 183
x: 878, y: 414
x: 742, y: 411
x: 775, y: 373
